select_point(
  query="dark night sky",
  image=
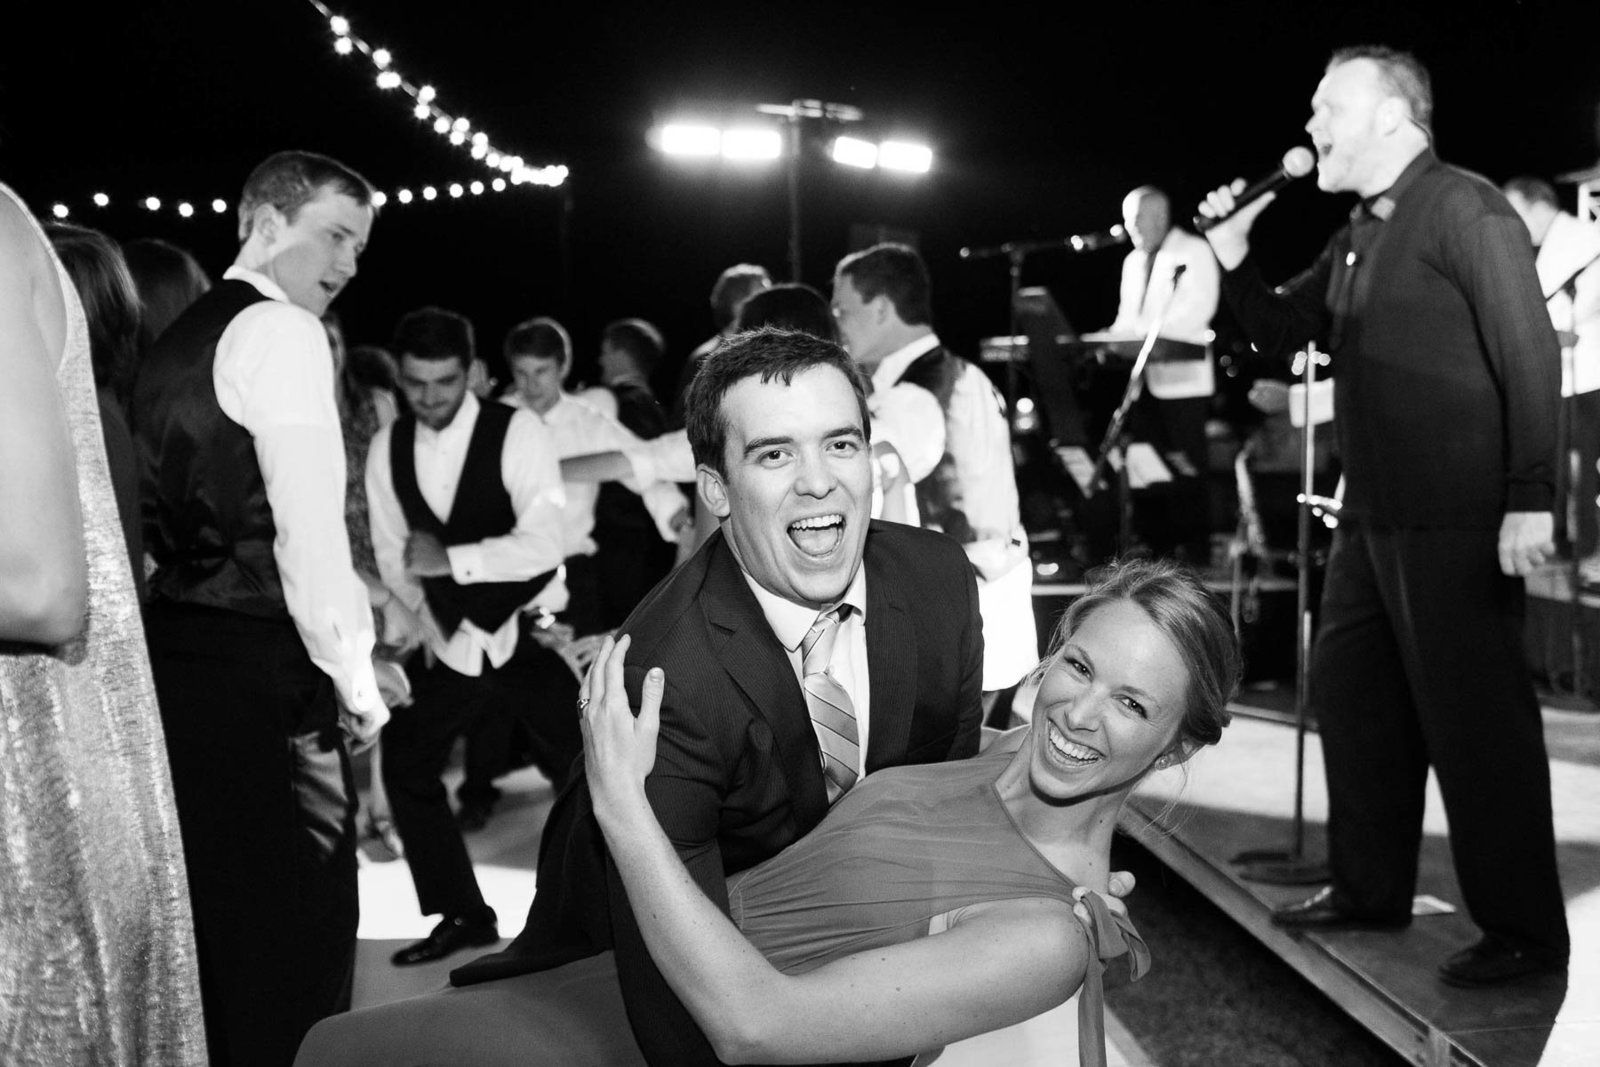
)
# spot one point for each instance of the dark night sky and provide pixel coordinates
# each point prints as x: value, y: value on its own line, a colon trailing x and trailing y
x: 1040, y: 122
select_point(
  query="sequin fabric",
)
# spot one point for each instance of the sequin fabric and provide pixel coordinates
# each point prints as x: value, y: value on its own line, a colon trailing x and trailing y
x: 97, y: 958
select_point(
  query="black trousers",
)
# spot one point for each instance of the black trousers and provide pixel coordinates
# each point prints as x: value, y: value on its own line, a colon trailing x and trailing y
x: 1419, y: 661
x: 1575, y: 498
x: 266, y: 804
x: 539, y: 687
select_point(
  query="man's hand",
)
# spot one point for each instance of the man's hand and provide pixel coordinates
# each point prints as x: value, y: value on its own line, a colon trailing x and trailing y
x: 1230, y: 240
x: 402, y: 627
x: 425, y: 556
x: 1269, y: 396
x: 1527, y: 539
x: 393, y: 685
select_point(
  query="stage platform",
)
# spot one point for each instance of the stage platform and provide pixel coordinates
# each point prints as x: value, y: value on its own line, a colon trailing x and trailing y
x: 1239, y: 796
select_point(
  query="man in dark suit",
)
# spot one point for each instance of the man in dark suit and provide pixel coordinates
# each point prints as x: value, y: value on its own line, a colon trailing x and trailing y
x: 778, y: 424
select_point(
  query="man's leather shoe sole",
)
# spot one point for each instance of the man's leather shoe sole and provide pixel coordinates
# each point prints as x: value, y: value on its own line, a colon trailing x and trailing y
x: 1493, y: 962
x: 449, y: 936
x: 1327, y: 910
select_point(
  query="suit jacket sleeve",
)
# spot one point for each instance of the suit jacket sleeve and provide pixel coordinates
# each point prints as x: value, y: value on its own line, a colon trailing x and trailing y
x: 685, y: 790
x: 969, y: 706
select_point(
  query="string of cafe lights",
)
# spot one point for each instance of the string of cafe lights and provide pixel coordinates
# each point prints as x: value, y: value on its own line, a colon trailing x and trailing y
x: 507, y: 170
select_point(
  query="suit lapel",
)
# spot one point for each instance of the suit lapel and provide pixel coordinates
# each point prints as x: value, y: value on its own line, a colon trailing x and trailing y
x: 743, y: 641
x: 891, y: 666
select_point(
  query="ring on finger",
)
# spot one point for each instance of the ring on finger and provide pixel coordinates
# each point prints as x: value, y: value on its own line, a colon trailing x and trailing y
x: 583, y: 702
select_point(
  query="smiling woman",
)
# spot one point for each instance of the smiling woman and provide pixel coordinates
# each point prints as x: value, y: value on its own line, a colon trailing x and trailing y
x: 933, y: 903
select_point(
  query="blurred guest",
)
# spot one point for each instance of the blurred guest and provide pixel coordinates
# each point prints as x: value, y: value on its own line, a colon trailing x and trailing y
x: 111, y: 306
x: 1568, y: 262
x: 169, y: 280
x: 947, y: 421
x: 466, y: 507
x: 788, y: 307
x: 732, y: 288
x: 255, y: 604
x: 97, y: 954
x: 633, y: 552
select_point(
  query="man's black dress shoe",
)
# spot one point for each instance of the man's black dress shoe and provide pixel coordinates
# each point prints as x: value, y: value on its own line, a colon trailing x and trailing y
x: 453, y: 933
x: 1327, y: 909
x: 1493, y: 961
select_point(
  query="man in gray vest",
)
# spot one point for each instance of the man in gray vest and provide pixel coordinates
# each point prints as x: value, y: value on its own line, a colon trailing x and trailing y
x: 948, y: 423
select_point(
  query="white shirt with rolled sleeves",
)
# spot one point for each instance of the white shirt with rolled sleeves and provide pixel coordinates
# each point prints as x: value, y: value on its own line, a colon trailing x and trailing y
x: 578, y: 428
x: 1188, y: 305
x: 1567, y: 258
x: 532, y: 476
x: 273, y: 375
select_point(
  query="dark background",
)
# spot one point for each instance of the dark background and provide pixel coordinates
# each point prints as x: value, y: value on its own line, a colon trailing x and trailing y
x: 1040, y: 118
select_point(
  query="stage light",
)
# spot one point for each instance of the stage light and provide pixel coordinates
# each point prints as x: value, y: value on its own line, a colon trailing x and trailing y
x: 426, y: 94
x: 186, y: 209
x: 441, y: 125
x: 904, y: 156
x: 404, y: 196
x: 343, y: 46
x: 456, y: 190
x: 461, y: 125
x: 492, y: 159
x: 481, y: 138
x: 429, y: 192
x: 60, y: 211
x: 101, y: 200
x: 339, y: 24
x: 152, y: 203
x: 421, y: 111
x: 476, y: 188
x: 751, y: 144
x: 379, y: 198
x: 498, y: 185
x: 388, y: 79
x: 380, y: 58
x: 681, y: 140
x: 854, y: 152
x: 219, y: 205
x: 479, y: 151
x: 457, y: 137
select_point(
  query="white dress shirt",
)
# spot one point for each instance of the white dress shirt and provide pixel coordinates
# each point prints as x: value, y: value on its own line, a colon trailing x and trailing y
x: 1188, y: 304
x: 791, y: 622
x: 578, y: 428
x: 1569, y: 248
x: 532, y: 476
x: 273, y: 375
x: 907, y: 416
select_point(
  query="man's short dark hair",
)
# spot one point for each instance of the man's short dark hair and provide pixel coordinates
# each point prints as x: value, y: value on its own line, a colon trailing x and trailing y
x: 1533, y: 190
x: 542, y: 338
x: 733, y: 287
x: 767, y: 352
x: 791, y: 307
x: 291, y: 180
x: 895, y: 271
x: 432, y: 333
x: 1403, y: 75
x: 641, y: 341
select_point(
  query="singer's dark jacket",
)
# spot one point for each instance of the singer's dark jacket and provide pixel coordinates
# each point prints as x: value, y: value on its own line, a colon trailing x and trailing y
x: 1446, y: 368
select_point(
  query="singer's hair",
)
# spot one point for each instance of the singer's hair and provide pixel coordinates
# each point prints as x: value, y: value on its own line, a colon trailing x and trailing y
x: 1402, y: 74
x: 895, y: 271
x: 1533, y: 190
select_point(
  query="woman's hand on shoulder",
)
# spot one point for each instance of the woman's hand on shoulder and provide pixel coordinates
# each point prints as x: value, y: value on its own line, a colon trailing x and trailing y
x: 619, y: 748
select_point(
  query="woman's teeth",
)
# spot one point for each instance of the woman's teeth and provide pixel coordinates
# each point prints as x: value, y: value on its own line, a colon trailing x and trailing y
x: 1070, y: 750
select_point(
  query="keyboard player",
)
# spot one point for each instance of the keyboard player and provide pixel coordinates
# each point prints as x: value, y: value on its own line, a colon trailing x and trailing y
x: 1180, y: 378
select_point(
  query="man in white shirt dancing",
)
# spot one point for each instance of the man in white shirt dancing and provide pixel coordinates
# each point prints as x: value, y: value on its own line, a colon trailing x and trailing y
x: 260, y: 631
x: 466, y: 509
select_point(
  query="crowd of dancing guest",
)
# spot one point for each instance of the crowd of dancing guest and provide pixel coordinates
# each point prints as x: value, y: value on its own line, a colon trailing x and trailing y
x: 237, y: 550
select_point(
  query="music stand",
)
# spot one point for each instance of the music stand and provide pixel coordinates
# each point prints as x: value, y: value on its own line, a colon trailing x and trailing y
x: 1290, y: 866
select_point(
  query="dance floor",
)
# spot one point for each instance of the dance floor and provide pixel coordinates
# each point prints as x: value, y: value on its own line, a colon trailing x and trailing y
x: 1239, y: 796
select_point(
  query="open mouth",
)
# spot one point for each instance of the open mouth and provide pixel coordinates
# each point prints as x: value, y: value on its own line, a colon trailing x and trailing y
x: 818, y: 535
x: 1070, y: 752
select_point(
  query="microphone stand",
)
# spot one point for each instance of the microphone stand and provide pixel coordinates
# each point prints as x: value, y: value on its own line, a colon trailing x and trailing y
x: 1112, y: 443
x: 1291, y: 867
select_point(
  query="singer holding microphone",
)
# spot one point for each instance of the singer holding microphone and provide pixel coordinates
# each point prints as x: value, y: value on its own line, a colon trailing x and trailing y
x: 1446, y: 377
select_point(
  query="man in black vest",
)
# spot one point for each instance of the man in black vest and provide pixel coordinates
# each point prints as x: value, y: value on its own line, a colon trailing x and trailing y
x: 466, y: 503
x: 948, y: 423
x: 259, y: 629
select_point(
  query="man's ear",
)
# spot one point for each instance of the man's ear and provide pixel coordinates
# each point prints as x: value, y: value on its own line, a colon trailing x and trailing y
x: 1392, y: 114
x: 267, y: 221
x: 713, y: 491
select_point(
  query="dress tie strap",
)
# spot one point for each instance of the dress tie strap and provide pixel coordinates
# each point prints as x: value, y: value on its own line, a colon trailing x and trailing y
x: 1110, y: 935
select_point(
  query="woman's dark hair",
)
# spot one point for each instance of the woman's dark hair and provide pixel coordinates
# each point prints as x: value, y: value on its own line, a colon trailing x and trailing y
x: 168, y: 279
x: 1183, y: 609
x: 110, y: 302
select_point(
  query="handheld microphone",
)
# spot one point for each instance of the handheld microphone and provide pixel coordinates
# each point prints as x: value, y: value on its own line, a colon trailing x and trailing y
x: 1297, y: 163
